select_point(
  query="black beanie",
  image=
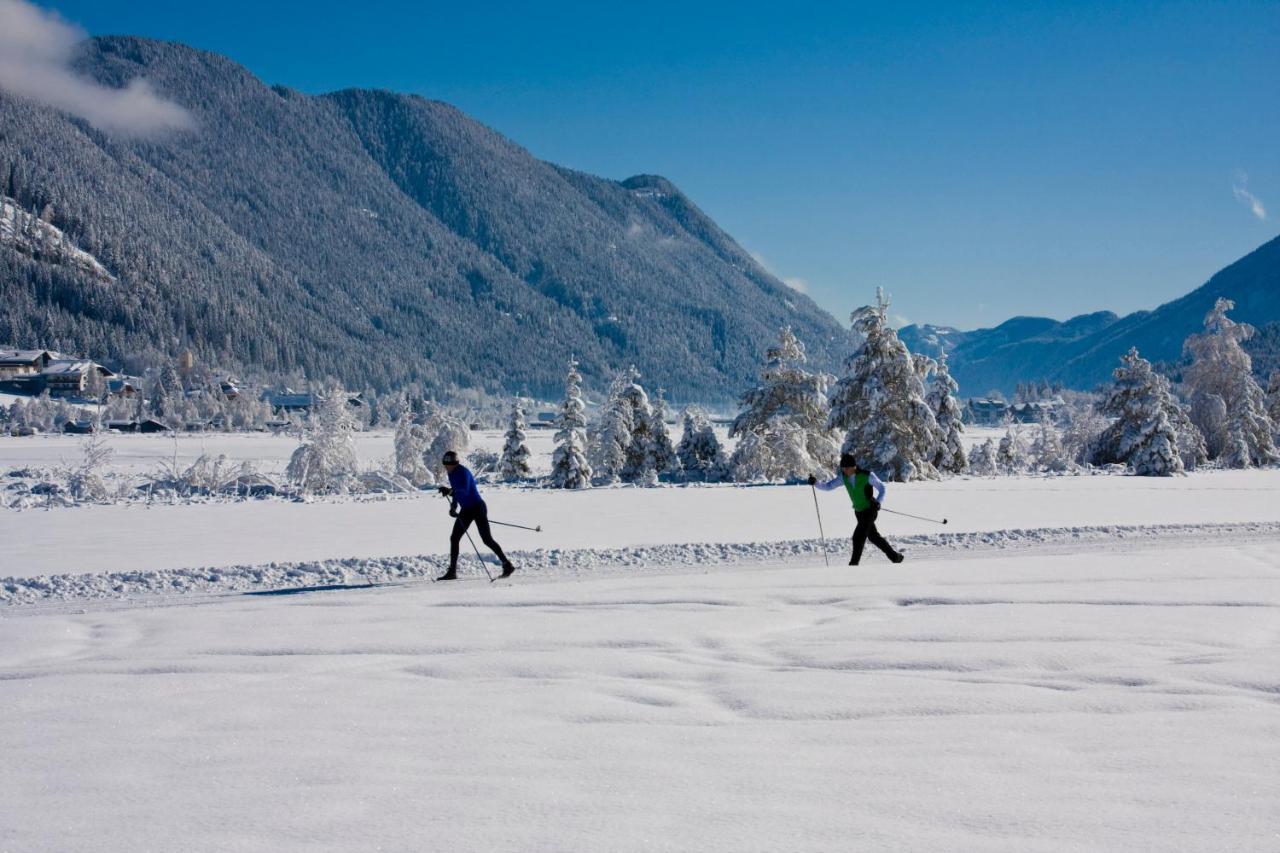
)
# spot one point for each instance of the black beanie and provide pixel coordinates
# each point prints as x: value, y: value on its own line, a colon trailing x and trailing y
x: 847, y: 461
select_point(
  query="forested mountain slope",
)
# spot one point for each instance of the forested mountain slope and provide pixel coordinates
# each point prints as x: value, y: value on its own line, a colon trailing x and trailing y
x: 375, y: 237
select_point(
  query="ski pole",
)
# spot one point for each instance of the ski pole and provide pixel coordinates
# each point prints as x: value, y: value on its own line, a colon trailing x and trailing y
x: 821, y: 533
x: 909, y: 515
x: 478, y: 557
x: 537, y: 529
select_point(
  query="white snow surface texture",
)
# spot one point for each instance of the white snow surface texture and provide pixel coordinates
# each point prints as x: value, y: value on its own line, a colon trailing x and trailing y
x: 1075, y: 663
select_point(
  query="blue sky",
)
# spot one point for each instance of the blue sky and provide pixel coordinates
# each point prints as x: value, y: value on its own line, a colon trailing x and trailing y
x: 977, y: 162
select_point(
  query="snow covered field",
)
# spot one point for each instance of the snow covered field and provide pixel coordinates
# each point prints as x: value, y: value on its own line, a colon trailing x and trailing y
x: 1072, y: 663
x: 1014, y: 702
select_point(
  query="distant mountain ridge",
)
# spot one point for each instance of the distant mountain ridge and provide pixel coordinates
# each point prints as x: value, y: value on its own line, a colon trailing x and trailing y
x: 1081, y: 352
x: 375, y: 237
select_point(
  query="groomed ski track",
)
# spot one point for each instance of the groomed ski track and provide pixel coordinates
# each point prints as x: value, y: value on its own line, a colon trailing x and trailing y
x: 203, y: 585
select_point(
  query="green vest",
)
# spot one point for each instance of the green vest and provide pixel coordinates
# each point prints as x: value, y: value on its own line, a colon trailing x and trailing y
x: 859, y: 489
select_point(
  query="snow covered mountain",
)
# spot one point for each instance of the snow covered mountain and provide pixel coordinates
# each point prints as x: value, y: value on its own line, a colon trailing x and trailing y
x: 375, y: 237
x: 1082, y: 352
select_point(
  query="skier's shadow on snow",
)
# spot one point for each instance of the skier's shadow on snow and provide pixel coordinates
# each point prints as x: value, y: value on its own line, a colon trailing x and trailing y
x: 299, y: 590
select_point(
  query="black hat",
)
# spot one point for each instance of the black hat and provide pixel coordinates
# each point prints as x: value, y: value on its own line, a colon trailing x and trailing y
x: 847, y: 461
x: 450, y: 458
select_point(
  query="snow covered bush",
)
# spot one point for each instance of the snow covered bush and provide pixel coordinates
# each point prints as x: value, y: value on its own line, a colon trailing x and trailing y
x: 84, y: 481
x: 411, y: 444
x: 982, y: 459
x: 449, y: 433
x: 1143, y: 435
x: 1011, y: 453
x: 611, y: 436
x: 514, y: 464
x: 1238, y: 427
x: 639, y: 465
x: 880, y: 403
x: 569, y: 466
x: 1047, y: 449
x: 483, y: 462
x: 941, y: 398
x: 782, y: 429
x: 325, y: 463
x: 662, y: 455
x: 701, y: 456
x: 1273, y: 399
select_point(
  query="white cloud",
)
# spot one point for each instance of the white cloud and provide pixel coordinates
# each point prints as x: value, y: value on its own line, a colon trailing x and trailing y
x: 1240, y: 189
x: 35, y: 51
x: 799, y: 285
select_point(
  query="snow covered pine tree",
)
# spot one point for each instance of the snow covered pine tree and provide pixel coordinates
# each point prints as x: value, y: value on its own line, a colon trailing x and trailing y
x: 949, y: 457
x: 1143, y: 435
x: 1227, y: 403
x: 569, y: 466
x: 514, y: 464
x: 700, y: 453
x: 880, y: 403
x: 782, y: 429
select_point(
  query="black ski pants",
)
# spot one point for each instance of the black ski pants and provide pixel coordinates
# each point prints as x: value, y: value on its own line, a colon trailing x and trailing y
x: 866, y: 530
x: 480, y: 515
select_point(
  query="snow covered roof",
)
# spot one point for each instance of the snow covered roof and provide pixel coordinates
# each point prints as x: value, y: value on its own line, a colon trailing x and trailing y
x: 23, y: 356
x: 70, y: 366
x: 67, y: 368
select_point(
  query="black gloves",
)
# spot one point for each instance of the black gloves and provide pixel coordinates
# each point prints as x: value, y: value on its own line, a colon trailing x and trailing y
x: 813, y: 481
x: 453, y: 511
x: 445, y: 490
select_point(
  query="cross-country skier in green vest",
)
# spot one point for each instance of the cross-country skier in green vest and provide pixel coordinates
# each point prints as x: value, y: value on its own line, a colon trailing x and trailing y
x: 860, y: 482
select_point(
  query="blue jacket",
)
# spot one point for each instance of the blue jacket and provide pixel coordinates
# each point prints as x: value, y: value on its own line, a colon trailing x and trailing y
x: 465, y: 493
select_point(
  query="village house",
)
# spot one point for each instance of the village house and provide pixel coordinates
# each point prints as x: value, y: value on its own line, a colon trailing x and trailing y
x: 985, y: 412
x: 23, y: 362
x: 70, y: 378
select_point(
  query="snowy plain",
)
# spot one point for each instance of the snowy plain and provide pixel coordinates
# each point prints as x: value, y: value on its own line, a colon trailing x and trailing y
x: 1072, y: 663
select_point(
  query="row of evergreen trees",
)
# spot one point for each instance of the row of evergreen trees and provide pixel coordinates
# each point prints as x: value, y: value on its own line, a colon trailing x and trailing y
x: 898, y: 414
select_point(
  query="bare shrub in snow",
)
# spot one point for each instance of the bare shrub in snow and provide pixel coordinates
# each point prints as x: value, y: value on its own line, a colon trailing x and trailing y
x: 84, y: 481
x: 483, y: 462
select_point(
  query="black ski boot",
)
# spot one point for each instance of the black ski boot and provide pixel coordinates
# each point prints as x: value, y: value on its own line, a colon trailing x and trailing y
x: 897, y: 557
x: 508, y: 570
x: 451, y: 575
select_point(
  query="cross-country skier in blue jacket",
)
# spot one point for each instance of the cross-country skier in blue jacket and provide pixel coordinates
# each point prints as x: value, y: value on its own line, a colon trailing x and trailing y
x: 467, y: 506
x: 859, y: 481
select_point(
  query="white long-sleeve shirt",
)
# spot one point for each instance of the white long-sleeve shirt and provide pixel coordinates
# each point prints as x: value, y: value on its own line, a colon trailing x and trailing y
x: 838, y: 480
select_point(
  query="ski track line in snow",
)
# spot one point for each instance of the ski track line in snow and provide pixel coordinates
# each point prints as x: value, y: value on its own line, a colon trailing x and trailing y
x: 192, y: 585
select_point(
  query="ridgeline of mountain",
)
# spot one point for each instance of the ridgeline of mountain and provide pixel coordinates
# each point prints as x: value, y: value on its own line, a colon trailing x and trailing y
x: 1081, y: 352
x: 374, y: 237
